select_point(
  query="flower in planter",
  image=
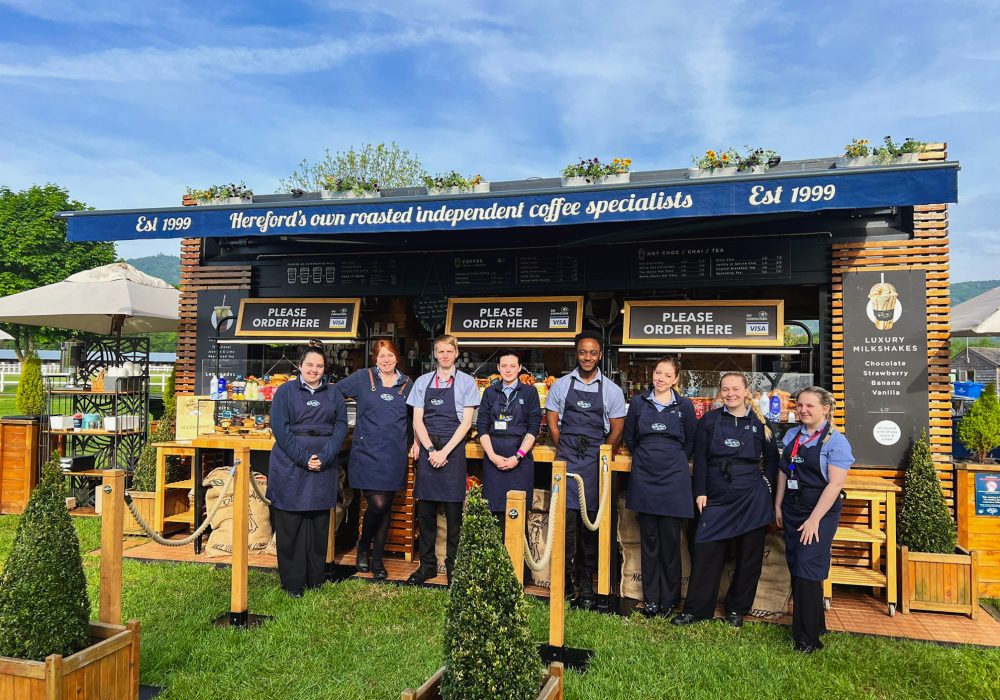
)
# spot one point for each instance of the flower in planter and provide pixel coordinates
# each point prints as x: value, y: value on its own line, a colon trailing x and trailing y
x: 857, y: 148
x: 713, y: 159
x: 593, y: 169
x: 757, y: 157
x: 890, y: 149
x: 451, y: 179
x: 476, y: 180
x: 349, y: 183
x: 221, y: 191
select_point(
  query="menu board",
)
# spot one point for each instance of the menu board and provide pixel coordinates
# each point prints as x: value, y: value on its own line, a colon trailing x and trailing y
x: 348, y: 272
x: 758, y: 323
x: 885, y: 363
x: 543, y: 269
x: 715, y: 260
x: 483, y: 270
x: 216, y: 321
x: 515, y: 317
x: 298, y: 318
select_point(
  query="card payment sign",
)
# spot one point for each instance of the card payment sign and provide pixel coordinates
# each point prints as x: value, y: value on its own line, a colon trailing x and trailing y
x: 559, y: 319
x: 758, y: 324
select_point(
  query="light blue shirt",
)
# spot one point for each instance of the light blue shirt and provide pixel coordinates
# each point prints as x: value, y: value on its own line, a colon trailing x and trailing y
x: 660, y: 406
x: 835, y: 452
x: 611, y: 394
x: 466, y: 391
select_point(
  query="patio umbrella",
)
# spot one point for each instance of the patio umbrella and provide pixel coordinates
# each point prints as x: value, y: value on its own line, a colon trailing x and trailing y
x: 109, y: 300
x: 5, y: 336
x: 977, y: 316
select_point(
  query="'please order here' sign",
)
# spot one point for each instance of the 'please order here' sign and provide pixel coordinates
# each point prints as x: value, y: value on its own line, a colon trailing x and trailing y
x: 758, y: 323
x: 298, y: 318
x: 515, y: 317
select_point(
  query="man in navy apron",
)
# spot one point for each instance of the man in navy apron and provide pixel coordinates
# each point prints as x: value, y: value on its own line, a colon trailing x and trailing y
x: 584, y: 410
x: 443, y: 403
x: 508, y: 423
x: 377, y: 466
x: 814, y: 466
x: 309, y: 422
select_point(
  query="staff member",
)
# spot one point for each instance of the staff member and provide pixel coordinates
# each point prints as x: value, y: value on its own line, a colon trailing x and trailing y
x: 733, y: 494
x: 377, y: 465
x: 509, y: 419
x: 808, y: 505
x: 309, y: 422
x: 443, y: 403
x: 659, y: 431
x: 583, y: 410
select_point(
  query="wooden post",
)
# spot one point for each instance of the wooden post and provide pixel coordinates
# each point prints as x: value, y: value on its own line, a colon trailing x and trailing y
x: 557, y: 562
x: 133, y: 660
x: 53, y: 677
x: 241, y: 528
x: 891, y: 585
x: 604, y: 532
x: 112, y: 523
x: 514, y: 531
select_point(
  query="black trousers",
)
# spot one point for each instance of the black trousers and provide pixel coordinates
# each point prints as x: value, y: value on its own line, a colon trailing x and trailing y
x: 808, y: 616
x: 427, y: 518
x: 581, y: 550
x: 660, y: 542
x: 706, y: 573
x: 301, y: 541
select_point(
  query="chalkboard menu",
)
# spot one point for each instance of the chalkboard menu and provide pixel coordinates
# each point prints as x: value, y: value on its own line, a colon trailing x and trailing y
x: 515, y: 317
x: 298, y: 318
x: 369, y: 272
x: 430, y: 311
x: 216, y: 321
x: 715, y: 260
x: 885, y: 363
x: 705, y: 323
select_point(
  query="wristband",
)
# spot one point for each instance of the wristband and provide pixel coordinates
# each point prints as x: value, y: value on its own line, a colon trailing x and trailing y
x: 521, y: 454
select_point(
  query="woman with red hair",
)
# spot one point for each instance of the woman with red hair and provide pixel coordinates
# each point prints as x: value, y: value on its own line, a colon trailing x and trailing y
x: 377, y: 465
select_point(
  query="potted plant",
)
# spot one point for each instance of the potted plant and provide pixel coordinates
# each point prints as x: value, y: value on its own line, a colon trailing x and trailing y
x: 221, y: 194
x: 30, y: 398
x: 479, y: 184
x: 47, y: 647
x: 487, y: 644
x: 593, y: 172
x: 897, y: 153
x: 934, y: 574
x: 19, y: 438
x: 856, y: 154
x: 454, y: 183
x: 979, y: 429
x: 757, y: 160
x: 715, y: 164
x: 349, y: 187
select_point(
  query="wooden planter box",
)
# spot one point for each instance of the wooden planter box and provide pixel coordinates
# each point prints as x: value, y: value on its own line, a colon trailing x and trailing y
x: 145, y: 503
x: 979, y: 531
x: 18, y: 463
x: 552, y: 687
x: 108, y: 668
x: 939, y: 582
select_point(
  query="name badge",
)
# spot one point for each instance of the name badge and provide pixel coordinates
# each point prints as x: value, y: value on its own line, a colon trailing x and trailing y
x: 793, y: 484
x: 500, y: 425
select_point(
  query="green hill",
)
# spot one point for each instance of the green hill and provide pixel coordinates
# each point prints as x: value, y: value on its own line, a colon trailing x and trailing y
x: 166, y: 267
x: 963, y: 291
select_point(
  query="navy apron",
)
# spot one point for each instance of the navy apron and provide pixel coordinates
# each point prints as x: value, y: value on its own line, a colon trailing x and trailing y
x: 739, y: 497
x: 378, y: 447
x: 496, y: 482
x: 446, y: 484
x: 661, y: 479
x: 295, y: 488
x: 580, y: 438
x: 808, y: 561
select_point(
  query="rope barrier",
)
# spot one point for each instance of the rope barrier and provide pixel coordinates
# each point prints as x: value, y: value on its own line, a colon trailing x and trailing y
x: 256, y: 490
x: 159, y: 539
x: 550, y: 537
x: 594, y: 525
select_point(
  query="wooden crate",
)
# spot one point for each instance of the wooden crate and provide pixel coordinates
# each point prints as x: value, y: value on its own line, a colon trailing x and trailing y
x: 978, y: 532
x: 108, y: 668
x: 939, y: 582
x: 552, y: 686
x: 18, y: 463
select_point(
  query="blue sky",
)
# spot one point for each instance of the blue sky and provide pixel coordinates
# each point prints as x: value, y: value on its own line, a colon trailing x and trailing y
x: 128, y: 103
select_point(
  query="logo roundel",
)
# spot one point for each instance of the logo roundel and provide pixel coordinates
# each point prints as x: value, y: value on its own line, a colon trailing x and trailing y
x: 437, y: 402
x: 658, y: 426
x: 584, y: 404
x: 386, y: 397
x: 730, y: 442
x: 312, y: 402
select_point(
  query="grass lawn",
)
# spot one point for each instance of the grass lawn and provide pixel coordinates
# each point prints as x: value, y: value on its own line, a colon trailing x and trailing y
x: 359, y: 640
x: 8, y: 405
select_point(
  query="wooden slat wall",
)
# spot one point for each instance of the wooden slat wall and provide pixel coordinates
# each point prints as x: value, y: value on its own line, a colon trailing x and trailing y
x: 194, y: 278
x: 928, y: 250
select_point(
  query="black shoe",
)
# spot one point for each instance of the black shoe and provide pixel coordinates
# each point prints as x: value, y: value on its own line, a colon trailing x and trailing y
x: 362, y: 562
x: 420, y: 576
x: 650, y: 609
x: 448, y: 574
x: 735, y: 619
x: 295, y: 594
x: 586, y: 599
x: 378, y: 572
x: 804, y: 648
x: 684, y: 619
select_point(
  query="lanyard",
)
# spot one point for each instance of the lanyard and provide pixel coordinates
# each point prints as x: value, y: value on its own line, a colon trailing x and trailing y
x: 799, y: 442
x: 437, y: 384
x: 509, y: 399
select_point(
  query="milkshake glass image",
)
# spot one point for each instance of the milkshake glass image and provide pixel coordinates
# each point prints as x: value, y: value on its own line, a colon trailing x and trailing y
x: 883, y: 298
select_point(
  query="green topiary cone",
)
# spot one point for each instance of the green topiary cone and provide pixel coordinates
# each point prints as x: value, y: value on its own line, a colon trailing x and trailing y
x: 44, y: 607
x: 925, y: 525
x: 488, y: 652
x: 30, y: 398
x: 979, y: 428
